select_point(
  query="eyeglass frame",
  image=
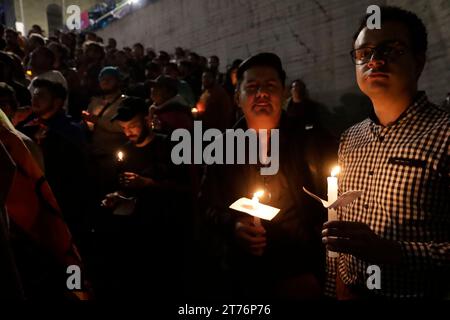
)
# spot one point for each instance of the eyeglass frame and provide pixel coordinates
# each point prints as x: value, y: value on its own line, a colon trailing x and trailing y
x: 376, y: 50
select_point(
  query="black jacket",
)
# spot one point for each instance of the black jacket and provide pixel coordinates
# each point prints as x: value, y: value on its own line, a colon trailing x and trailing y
x: 293, y: 236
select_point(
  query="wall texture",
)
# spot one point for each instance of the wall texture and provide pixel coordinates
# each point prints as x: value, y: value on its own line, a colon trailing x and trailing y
x: 313, y: 37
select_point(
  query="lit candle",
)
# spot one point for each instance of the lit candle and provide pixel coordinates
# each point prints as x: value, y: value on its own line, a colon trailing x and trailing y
x: 120, y: 157
x: 332, y: 183
x: 255, y: 200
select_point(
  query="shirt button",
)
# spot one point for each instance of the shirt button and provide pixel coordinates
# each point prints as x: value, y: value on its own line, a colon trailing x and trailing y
x: 366, y: 206
x: 371, y: 173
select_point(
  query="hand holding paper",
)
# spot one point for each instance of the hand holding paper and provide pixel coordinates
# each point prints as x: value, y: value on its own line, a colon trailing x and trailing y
x: 345, y: 199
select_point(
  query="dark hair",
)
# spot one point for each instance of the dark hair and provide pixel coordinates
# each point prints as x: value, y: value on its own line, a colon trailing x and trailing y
x: 265, y: 59
x: 56, y: 89
x: 215, y: 57
x: 8, y: 91
x: 418, y: 32
x: 63, y: 50
x: 49, y: 55
x: 139, y: 45
x: 303, y: 89
x: 14, y: 32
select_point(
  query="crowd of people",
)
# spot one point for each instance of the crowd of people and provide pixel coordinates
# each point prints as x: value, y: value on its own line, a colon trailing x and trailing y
x: 87, y: 177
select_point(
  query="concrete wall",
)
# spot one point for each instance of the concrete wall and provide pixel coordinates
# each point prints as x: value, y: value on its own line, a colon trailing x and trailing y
x: 313, y: 37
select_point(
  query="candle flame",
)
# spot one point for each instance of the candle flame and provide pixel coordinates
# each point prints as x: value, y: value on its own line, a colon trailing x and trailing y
x: 194, y: 110
x: 29, y: 73
x: 120, y: 155
x: 335, y: 171
x: 258, y: 194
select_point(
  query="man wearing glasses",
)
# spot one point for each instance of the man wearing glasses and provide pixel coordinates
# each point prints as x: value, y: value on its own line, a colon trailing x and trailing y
x: 399, y: 158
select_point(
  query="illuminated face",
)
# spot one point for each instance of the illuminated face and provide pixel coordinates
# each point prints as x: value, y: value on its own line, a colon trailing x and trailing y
x: 260, y: 96
x: 393, y: 68
x: 135, y: 130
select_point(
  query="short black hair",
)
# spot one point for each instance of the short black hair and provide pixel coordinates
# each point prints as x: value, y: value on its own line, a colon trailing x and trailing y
x: 8, y: 91
x: 138, y: 44
x: 417, y: 30
x: 49, y: 55
x: 56, y: 89
x: 266, y: 59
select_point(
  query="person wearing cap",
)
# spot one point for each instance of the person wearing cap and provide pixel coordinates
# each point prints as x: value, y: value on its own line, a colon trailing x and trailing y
x: 41, y: 63
x: 105, y: 136
x: 64, y: 148
x: 148, y: 182
x: 281, y: 258
x: 169, y: 110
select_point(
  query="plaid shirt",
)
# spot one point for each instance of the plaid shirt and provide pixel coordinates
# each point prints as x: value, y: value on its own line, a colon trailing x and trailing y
x: 403, y: 171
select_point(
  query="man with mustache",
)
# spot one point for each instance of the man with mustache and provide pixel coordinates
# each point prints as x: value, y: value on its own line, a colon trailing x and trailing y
x: 281, y: 258
x: 399, y: 158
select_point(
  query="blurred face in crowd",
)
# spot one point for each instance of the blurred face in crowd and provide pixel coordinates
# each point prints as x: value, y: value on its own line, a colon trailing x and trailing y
x: 136, y: 130
x: 171, y: 71
x: 112, y: 43
x: 260, y: 95
x: 93, y: 53
x: 213, y: 63
x: 159, y: 95
x: 10, y: 37
x: 208, y: 80
x: 109, y: 84
x: 297, y: 91
x: 394, y: 69
x: 138, y: 52
x: 43, y: 104
x: 40, y: 61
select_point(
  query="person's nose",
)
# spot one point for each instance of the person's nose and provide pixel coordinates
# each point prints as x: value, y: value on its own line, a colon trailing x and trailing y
x: 376, y: 60
x: 262, y: 92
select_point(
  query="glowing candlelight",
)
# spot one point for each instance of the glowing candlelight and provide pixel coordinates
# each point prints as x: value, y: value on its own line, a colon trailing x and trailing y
x: 332, y: 186
x: 258, y: 194
x: 120, y: 156
x: 194, y: 111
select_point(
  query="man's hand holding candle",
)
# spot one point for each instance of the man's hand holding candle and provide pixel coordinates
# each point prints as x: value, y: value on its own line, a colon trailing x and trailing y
x: 359, y: 240
x: 135, y: 181
x: 250, y: 237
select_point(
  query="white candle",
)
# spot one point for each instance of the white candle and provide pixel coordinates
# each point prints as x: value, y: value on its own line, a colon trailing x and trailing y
x: 255, y: 200
x: 332, y: 184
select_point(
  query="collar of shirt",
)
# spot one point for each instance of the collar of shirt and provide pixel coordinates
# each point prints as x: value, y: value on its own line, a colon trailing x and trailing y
x: 379, y: 131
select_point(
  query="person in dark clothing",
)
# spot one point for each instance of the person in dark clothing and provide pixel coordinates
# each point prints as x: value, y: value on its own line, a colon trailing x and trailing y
x: 169, y: 110
x: 148, y: 183
x: 64, y: 148
x: 7, y: 75
x: 301, y: 107
x: 282, y: 258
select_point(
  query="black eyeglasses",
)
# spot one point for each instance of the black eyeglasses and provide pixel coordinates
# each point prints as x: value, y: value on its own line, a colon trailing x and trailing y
x: 385, y: 51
